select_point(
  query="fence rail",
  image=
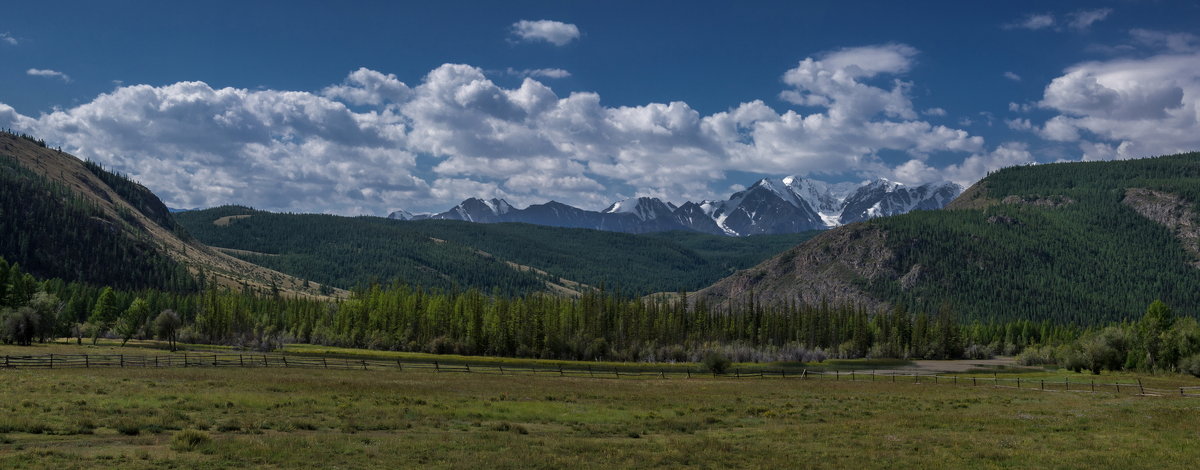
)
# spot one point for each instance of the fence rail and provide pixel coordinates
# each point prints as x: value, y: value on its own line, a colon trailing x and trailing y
x: 86, y: 361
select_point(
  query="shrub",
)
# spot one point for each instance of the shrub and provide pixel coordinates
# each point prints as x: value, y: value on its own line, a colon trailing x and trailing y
x: 716, y: 362
x: 189, y: 440
x: 129, y: 428
x: 1190, y: 365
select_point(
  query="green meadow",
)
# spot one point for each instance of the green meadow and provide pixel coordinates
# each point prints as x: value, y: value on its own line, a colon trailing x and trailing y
x: 310, y: 418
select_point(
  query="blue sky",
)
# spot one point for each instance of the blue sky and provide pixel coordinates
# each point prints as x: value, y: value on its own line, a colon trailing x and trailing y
x: 367, y: 107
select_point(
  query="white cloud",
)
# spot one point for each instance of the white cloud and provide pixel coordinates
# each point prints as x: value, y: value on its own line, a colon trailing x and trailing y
x: 368, y: 87
x: 8, y: 38
x: 553, y: 32
x: 1033, y: 22
x: 1083, y: 19
x: 934, y: 112
x: 49, y: 74
x: 372, y: 143
x: 1012, y: 76
x: 967, y: 172
x: 550, y: 73
x: 1174, y: 42
x: 1132, y: 107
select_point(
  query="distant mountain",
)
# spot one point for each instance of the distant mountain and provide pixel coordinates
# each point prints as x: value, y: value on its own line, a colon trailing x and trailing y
x: 512, y: 259
x: 1079, y: 243
x: 789, y: 205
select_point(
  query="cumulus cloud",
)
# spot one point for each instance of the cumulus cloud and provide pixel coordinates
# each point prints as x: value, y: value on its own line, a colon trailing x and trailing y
x: 1012, y: 76
x: 7, y: 38
x: 967, y: 172
x: 934, y: 112
x: 373, y: 143
x: 368, y: 87
x: 48, y: 74
x: 1131, y: 107
x: 553, y: 32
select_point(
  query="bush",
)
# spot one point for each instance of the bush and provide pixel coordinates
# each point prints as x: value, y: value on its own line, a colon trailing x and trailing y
x: 1190, y: 365
x: 716, y: 362
x: 189, y: 440
x: 129, y: 428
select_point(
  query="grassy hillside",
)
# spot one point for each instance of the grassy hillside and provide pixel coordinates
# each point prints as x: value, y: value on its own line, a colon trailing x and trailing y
x: 350, y: 251
x: 1070, y: 242
x: 69, y: 219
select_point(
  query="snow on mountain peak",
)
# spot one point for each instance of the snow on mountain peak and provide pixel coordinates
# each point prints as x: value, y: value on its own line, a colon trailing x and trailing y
x: 642, y: 207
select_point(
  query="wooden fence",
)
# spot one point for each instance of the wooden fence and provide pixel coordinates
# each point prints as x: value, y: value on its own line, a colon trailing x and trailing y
x: 83, y: 361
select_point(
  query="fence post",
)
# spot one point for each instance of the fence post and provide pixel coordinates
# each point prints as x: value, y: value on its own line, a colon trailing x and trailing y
x: 1093, y: 385
x: 364, y: 364
x: 1143, y: 389
x: 1181, y: 391
x: 6, y: 365
x: 783, y: 373
x: 617, y: 372
x: 689, y: 375
x: 1067, y: 384
x: 837, y: 375
x: 185, y: 362
x: 155, y: 361
x: 915, y: 380
x: 120, y: 357
x: 501, y: 369
x: 590, y: 373
x: 661, y: 373
x: 468, y: 367
x: 87, y: 364
x: 560, y: 371
x: 1018, y: 382
x: 436, y: 368
x: 1118, y: 385
x: 399, y: 366
x: 893, y: 377
x: 285, y: 364
x: 935, y: 378
x: 214, y: 360
x: 804, y: 374
x: 872, y: 375
x: 974, y: 383
x: 738, y: 372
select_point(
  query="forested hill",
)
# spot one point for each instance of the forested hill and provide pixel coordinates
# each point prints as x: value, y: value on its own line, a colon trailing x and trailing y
x: 513, y: 258
x: 64, y: 218
x: 1077, y: 242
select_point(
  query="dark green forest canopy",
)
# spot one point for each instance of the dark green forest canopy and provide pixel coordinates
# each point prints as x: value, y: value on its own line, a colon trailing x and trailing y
x: 55, y: 233
x: 1064, y: 248
x: 352, y: 251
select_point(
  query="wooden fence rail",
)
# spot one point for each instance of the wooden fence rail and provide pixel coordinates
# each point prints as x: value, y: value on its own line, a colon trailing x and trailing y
x: 87, y: 361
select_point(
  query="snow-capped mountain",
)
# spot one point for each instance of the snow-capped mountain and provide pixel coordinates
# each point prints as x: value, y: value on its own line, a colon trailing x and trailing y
x: 882, y: 198
x: 787, y: 205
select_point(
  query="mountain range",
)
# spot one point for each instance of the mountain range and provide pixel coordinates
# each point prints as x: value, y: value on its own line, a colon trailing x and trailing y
x: 1077, y: 242
x: 770, y: 206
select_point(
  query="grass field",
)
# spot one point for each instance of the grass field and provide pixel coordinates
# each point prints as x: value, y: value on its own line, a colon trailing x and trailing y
x: 289, y: 418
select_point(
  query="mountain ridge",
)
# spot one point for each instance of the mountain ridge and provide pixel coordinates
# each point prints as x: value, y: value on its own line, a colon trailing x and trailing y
x: 1081, y: 242
x: 791, y: 204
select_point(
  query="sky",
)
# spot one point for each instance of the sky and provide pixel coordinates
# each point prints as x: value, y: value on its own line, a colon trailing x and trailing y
x: 369, y: 107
